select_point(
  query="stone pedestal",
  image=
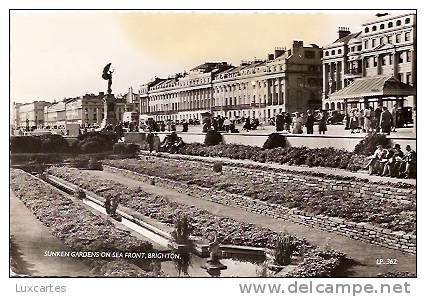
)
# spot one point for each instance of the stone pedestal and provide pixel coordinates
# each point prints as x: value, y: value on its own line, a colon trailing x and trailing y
x: 109, y: 111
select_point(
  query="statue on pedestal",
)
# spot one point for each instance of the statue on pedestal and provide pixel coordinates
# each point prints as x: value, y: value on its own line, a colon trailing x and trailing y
x: 213, y: 265
x: 107, y: 75
x: 109, y: 120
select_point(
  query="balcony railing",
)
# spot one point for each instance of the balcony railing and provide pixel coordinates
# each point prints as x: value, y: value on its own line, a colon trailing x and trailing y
x: 354, y: 71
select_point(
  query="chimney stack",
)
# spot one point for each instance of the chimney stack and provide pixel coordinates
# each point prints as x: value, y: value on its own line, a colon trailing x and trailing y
x: 343, y: 32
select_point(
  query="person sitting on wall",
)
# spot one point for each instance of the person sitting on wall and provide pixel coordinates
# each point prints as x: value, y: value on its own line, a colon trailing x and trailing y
x: 408, y: 164
x: 232, y: 128
x: 374, y: 160
x: 391, y: 161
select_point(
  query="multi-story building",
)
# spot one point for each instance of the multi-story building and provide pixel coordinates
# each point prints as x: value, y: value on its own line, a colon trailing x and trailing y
x: 84, y: 110
x: 288, y: 80
x: 182, y: 96
x: 29, y: 114
x: 375, y: 58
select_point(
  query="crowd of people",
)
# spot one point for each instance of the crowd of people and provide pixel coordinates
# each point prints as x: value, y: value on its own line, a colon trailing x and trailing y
x: 375, y: 120
x: 393, y: 162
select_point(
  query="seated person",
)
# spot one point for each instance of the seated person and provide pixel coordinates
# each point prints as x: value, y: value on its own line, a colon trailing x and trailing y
x: 393, y: 160
x: 408, y: 164
x: 374, y: 162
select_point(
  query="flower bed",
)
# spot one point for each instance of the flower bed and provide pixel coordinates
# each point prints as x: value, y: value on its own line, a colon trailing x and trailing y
x: 77, y: 227
x: 204, y: 223
x: 323, y: 157
x: 291, y: 193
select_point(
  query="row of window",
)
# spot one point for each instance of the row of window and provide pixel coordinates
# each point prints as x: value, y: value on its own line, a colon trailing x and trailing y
x: 403, y: 57
x: 388, y: 39
x: 388, y: 25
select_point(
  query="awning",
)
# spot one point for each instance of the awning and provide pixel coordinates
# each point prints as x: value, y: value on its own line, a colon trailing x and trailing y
x: 375, y: 86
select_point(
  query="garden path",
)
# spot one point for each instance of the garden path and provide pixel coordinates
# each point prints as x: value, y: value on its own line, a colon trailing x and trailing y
x: 31, y: 239
x: 363, y: 254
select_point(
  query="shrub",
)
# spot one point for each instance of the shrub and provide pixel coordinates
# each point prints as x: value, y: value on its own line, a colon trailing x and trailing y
x: 132, y: 148
x: 284, y: 248
x: 54, y: 144
x: 275, y: 140
x: 217, y: 167
x: 183, y: 229
x: 368, y: 145
x: 95, y: 164
x: 213, y: 137
x: 25, y: 144
x: 92, y: 147
x: 119, y: 148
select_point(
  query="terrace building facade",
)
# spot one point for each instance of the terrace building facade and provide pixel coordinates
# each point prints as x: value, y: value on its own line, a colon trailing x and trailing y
x: 386, y: 48
x: 288, y: 80
x: 29, y: 114
x: 86, y: 110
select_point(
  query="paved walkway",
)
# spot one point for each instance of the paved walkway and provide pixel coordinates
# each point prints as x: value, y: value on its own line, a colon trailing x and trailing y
x: 31, y: 239
x: 363, y: 254
x: 325, y: 170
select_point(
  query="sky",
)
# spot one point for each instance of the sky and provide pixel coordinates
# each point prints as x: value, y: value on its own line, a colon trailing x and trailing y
x: 58, y: 54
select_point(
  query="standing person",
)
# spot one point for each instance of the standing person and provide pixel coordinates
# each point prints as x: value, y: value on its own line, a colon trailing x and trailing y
x: 287, y: 121
x: 279, y: 123
x: 310, y: 120
x: 361, y: 120
x: 377, y: 115
x: 150, y: 140
x: 353, y: 121
x: 394, y: 111
x: 367, y: 119
x: 247, y: 124
x: 297, y: 124
x: 227, y: 124
x: 322, y: 119
x: 157, y: 143
x: 386, y: 121
x: 220, y: 122
x: 185, y: 126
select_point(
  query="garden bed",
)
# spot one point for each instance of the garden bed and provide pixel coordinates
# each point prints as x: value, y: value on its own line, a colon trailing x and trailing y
x: 204, y: 223
x: 317, y: 196
x: 77, y: 227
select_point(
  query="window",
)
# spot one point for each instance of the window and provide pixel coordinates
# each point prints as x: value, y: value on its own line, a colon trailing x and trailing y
x: 366, y: 44
x: 383, y: 60
x: 407, y: 36
x: 408, y: 56
x: 398, y: 38
x: 367, y: 62
x: 407, y: 20
x: 326, y: 53
x: 374, y: 28
x: 333, y: 52
x: 401, y: 58
x: 367, y: 30
x: 389, y: 38
x: 391, y: 59
x: 408, y: 78
x: 398, y: 22
x: 382, y: 26
x: 359, y: 47
x: 381, y: 40
x: 352, y: 49
x: 339, y: 51
x: 375, y: 61
x: 390, y: 25
x: 373, y: 42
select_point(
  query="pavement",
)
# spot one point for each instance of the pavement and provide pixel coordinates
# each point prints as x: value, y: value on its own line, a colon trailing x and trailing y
x: 363, y: 255
x: 30, y: 239
x: 332, y: 130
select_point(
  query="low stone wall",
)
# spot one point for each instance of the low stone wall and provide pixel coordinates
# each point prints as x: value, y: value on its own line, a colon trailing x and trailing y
x: 359, y: 231
x: 258, y: 139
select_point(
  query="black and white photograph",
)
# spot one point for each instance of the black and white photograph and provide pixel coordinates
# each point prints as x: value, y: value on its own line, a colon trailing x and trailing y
x: 173, y: 144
